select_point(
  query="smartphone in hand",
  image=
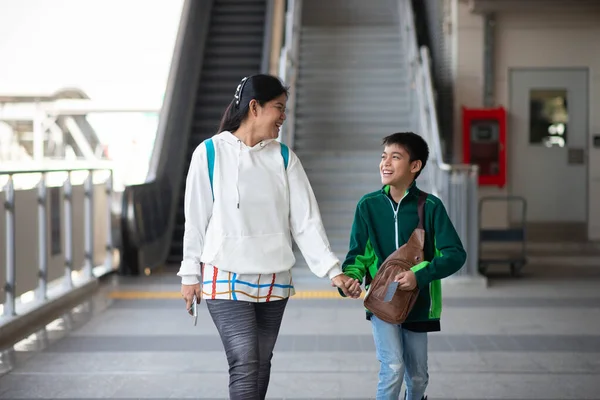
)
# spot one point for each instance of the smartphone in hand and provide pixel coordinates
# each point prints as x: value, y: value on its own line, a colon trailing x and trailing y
x: 193, y: 310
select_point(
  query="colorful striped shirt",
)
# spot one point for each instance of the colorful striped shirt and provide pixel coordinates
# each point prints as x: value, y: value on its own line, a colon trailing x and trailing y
x: 219, y: 284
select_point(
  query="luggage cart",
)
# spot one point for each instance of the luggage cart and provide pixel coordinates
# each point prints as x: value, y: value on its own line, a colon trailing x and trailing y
x: 514, y: 234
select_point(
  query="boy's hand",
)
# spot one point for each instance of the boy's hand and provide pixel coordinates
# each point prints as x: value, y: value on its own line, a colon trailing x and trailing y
x: 350, y: 287
x: 406, y: 280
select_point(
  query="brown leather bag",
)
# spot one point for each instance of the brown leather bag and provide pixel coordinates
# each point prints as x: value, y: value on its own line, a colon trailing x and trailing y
x: 389, y: 304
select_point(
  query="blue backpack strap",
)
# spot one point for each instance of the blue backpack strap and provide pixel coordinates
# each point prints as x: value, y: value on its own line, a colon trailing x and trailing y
x: 210, y: 155
x: 285, y: 153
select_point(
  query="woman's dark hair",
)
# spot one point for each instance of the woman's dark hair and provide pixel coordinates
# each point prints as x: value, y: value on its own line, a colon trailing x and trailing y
x: 262, y: 88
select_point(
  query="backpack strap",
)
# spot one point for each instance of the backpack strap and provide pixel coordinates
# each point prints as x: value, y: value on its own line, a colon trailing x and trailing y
x: 420, y: 207
x: 210, y: 155
x: 285, y: 153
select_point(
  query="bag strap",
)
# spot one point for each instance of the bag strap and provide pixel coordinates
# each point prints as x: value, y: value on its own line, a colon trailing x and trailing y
x: 420, y: 207
x: 285, y: 153
x: 210, y: 156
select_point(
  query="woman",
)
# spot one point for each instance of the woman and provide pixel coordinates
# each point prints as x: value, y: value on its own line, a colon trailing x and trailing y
x: 239, y: 224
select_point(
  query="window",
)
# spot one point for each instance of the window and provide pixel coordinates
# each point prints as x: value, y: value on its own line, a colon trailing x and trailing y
x: 548, y: 117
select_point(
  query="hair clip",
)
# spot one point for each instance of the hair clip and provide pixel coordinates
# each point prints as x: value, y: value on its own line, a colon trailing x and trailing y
x: 238, y: 92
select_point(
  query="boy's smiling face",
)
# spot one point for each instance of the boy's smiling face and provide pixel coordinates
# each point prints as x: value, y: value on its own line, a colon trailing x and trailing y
x: 395, y: 167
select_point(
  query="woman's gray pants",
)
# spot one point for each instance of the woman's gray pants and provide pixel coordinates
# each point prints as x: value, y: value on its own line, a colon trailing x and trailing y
x: 248, y: 332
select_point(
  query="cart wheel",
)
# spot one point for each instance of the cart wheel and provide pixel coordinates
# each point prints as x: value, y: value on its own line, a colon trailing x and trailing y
x: 515, y: 268
x: 482, y: 268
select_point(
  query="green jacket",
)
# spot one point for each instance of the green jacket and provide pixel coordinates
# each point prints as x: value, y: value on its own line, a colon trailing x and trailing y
x: 380, y: 227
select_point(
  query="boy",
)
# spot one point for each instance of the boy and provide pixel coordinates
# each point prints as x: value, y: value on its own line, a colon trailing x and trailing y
x: 383, y: 222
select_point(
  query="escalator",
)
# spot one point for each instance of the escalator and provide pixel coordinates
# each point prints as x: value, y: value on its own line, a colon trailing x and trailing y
x: 233, y: 38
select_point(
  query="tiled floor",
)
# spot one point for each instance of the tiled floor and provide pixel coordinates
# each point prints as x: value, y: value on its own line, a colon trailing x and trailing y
x: 537, y: 337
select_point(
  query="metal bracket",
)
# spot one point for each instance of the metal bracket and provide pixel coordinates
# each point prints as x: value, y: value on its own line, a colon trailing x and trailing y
x: 8, y: 288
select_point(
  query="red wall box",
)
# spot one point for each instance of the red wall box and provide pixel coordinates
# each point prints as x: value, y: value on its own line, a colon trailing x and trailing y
x: 484, y: 143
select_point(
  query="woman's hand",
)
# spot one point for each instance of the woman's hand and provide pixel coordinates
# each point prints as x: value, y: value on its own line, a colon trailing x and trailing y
x: 350, y: 287
x: 188, y: 292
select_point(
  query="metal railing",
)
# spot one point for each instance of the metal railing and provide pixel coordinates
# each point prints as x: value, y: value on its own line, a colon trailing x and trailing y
x: 455, y: 184
x: 30, y: 200
x: 288, y: 66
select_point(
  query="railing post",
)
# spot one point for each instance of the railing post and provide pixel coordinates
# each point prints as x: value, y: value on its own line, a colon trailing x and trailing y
x: 41, y: 293
x: 457, y: 208
x: 109, y: 242
x: 68, y: 207
x: 88, y: 209
x: 9, y: 288
x: 473, y: 228
x: 461, y: 211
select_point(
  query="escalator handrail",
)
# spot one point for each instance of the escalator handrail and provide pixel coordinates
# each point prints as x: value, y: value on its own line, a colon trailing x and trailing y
x: 288, y: 66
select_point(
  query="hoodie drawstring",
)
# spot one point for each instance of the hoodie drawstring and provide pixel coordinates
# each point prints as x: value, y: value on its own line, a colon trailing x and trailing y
x: 237, y: 178
x: 239, y: 161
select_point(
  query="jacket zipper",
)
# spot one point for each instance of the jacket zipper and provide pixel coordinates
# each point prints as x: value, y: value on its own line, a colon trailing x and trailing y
x: 395, y: 220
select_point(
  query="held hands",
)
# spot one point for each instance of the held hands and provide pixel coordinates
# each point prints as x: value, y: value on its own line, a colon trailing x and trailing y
x: 406, y: 280
x: 188, y: 292
x: 350, y: 287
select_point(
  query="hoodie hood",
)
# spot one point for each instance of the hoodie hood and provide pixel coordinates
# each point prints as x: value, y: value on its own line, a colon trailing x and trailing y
x: 231, y: 139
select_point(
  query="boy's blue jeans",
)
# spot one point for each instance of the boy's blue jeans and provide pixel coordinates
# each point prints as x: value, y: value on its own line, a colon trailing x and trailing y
x: 400, y: 351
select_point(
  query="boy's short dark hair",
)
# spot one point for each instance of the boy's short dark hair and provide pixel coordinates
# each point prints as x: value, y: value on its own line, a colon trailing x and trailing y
x: 414, y: 144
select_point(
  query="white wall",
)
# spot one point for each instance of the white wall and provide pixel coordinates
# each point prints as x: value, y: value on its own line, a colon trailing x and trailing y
x: 467, y: 43
x: 529, y: 39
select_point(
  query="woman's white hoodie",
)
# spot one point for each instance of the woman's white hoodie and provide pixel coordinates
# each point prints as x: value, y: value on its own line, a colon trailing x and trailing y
x: 258, y: 207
